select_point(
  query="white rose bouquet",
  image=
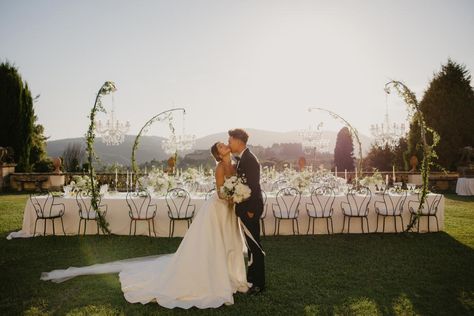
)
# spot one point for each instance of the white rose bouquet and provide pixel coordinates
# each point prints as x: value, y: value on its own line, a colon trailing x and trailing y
x: 234, y: 188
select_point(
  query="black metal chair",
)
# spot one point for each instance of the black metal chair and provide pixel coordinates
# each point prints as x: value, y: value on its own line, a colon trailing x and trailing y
x: 279, y: 184
x: 264, y: 213
x: 428, y: 209
x: 321, y: 206
x: 46, y: 209
x: 191, y: 186
x: 180, y: 208
x: 210, y: 193
x: 86, y: 211
x: 357, y: 206
x: 141, y: 209
x: 391, y: 206
x: 287, y: 208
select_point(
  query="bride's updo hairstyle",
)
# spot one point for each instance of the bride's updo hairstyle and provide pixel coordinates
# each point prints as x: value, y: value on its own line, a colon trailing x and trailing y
x: 215, y: 152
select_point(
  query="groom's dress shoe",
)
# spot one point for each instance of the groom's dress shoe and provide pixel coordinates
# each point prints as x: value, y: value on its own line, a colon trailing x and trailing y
x: 254, y: 290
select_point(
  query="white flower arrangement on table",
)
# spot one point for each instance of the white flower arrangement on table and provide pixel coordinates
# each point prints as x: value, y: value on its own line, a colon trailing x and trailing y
x: 190, y: 174
x: 235, y: 188
x: 371, y: 181
x: 158, y: 181
x: 80, y: 183
x: 302, y: 180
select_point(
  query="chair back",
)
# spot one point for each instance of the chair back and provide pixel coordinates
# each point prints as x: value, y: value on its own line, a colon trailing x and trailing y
x: 279, y: 184
x: 358, y: 200
x: 178, y: 201
x: 210, y: 193
x: 288, y: 201
x: 42, y: 203
x: 264, y: 198
x: 394, y: 201
x: 139, y: 205
x: 83, y: 200
x: 191, y: 186
x: 430, y: 207
x: 323, y: 199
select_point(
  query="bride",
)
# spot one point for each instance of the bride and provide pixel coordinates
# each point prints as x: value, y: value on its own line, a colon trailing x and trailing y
x: 205, y: 271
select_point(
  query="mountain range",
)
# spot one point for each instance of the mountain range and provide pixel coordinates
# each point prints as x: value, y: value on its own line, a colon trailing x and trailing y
x: 150, y: 146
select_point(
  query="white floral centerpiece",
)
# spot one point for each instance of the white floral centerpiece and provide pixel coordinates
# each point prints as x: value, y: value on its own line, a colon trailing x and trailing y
x: 374, y: 181
x: 158, y: 181
x: 190, y: 174
x: 236, y: 189
x: 302, y: 180
x: 80, y: 183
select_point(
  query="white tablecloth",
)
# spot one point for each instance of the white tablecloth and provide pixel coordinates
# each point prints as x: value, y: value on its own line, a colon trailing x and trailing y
x: 119, y: 220
x: 465, y: 186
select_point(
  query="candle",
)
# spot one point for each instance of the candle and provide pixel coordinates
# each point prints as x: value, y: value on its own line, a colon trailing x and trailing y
x: 116, y: 178
x: 126, y: 182
x: 356, y: 174
x: 131, y: 180
x: 146, y: 171
x: 335, y: 171
x: 345, y: 174
x: 393, y: 173
x: 386, y: 179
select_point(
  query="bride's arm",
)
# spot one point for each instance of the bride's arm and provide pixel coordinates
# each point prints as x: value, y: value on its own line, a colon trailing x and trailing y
x: 220, y: 178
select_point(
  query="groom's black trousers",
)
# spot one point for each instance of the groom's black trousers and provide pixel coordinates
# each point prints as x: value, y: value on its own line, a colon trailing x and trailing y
x: 256, y: 271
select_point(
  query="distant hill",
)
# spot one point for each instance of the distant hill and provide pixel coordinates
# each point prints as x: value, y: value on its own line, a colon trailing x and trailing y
x: 148, y: 149
x: 268, y: 138
x: 150, y: 146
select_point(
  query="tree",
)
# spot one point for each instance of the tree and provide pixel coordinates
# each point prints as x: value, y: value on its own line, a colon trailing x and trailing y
x: 17, y: 119
x: 385, y: 157
x: 344, y: 150
x: 448, y: 107
x: 379, y: 157
x: 73, y: 157
x: 38, y: 146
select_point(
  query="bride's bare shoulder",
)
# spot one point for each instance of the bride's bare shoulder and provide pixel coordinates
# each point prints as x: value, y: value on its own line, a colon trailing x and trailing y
x: 219, y: 167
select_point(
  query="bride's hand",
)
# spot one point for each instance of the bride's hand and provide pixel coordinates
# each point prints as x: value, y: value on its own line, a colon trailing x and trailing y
x: 230, y: 202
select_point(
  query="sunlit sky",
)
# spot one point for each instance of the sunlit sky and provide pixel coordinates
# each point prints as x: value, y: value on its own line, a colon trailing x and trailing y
x: 251, y: 64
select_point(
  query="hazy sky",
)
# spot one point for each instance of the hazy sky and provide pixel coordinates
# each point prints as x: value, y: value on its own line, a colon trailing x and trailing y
x: 256, y: 64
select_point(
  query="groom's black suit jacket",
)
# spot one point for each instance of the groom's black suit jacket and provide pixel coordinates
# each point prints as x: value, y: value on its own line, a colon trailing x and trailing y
x: 249, y: 168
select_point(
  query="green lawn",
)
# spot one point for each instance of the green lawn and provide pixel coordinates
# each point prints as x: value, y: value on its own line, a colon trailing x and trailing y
x: 372, y: 274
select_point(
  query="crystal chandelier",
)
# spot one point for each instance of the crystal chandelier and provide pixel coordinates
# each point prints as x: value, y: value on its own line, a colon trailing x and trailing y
x: 312, y: 139
x: 387, y: 133
x: 113, y: 131
x: 175, y: 143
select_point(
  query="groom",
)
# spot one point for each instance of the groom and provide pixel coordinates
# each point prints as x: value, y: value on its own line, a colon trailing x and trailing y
x: 249, y: 211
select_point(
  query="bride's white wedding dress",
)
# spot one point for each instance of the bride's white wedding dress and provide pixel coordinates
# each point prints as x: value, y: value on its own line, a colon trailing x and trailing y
x: 205, y: 271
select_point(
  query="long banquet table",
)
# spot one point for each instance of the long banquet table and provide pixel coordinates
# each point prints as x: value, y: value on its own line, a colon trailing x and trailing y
x: 119, y: 220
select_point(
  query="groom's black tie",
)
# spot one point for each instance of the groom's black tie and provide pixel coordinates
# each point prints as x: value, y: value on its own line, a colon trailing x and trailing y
x: 237, y: 161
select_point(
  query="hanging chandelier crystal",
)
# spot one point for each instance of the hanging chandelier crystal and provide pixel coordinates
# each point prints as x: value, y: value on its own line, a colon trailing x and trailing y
x: 112, y: 131
x: 175, y: 143
x: 387, y: 133
x: 312, y: 139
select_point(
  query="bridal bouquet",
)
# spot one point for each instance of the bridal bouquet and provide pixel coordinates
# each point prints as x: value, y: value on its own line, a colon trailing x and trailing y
x: 235, y: 188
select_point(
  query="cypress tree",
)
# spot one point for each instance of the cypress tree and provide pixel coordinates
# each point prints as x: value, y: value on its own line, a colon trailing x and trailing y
x: 16, y: 115
x: 448, y: 107
x: 344, y: 150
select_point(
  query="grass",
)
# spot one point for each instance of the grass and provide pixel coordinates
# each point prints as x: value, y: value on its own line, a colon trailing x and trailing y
x: 406, y: 274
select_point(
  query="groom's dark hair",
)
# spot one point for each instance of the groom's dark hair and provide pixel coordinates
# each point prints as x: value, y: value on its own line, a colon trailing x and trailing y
x: 239, y: 134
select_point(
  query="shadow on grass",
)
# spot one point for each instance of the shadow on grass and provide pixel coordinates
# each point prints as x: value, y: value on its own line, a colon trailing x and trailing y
x: 314, y: 275
x: 377, y: 274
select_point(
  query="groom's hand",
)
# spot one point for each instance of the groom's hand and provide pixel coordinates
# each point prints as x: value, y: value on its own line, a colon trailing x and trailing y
x: 250, y: 214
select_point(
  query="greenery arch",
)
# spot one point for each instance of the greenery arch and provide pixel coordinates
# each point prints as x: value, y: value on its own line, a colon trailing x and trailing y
x: 107, y: 87
x: 157, y: 118
x: 428, y: 150
x: 353, y: 131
